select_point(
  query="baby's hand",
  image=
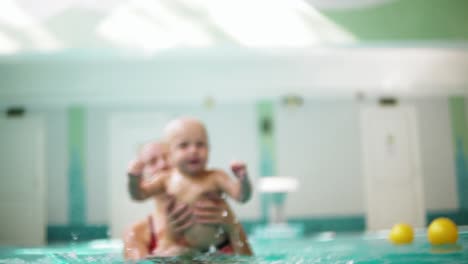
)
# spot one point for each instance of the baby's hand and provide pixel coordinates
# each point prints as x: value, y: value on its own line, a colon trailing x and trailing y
x: 239, y: 169
x: 135, y: 167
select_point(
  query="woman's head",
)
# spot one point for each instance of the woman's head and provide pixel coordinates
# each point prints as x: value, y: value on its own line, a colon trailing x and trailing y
x: 155, y: 158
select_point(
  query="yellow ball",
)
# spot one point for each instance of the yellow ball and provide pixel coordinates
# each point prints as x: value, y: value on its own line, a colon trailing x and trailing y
x: 442, y: 231
x: 401, y: 234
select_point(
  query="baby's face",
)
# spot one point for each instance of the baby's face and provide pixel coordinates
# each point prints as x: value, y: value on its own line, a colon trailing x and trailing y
x: 155, y: 158
x: 189, y: 148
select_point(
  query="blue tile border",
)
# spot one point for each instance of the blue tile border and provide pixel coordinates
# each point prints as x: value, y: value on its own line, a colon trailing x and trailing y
x: 72, y: 233
x: 319, y: 224
x: 356, y: 223
x: 459, y: 217
x: 353, y: 223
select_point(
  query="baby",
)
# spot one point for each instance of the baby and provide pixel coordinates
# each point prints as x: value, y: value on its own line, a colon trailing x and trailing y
x: 188, y: 180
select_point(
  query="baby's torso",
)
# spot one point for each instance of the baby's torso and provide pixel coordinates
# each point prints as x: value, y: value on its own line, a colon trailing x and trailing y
x: 189, y: 190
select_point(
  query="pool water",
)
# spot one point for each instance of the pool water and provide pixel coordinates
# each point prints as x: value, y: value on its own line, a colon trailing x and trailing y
x: 323, y: 248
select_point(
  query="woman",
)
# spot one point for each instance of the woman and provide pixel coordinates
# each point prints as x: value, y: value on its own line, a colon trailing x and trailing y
x: 140, y: 239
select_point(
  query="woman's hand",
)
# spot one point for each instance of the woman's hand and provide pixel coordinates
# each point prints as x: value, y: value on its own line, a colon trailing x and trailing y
x: 180, y: 216
x: 212, y: 209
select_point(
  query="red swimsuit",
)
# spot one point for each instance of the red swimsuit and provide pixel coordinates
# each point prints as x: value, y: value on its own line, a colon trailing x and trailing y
x: 153, y: 240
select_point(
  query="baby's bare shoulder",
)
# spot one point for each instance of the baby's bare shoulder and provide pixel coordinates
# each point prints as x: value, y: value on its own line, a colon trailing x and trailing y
x: 217, y: 173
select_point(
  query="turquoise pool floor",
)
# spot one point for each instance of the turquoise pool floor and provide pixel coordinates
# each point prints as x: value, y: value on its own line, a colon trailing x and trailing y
x: 322, y: 248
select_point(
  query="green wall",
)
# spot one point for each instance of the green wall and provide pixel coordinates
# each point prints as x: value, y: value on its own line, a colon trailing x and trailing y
x: 76, y: 165
x: 406, y: 20
x: 460, y: 143
x: 265, y: 112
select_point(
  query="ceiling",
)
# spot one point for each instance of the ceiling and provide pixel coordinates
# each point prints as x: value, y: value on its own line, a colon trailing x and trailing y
x: 190, y: 49
x: 151, y: 26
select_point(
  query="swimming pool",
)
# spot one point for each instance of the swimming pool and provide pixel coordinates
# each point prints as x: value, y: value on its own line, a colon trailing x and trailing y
x: 321, y: 248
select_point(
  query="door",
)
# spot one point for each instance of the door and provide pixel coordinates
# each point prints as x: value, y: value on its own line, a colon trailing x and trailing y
x: 22, y: 203
x: 392, y: 170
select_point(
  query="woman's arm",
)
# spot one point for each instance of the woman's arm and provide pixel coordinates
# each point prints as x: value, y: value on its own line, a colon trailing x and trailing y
x: 136, y: 240
x: 140, y: 190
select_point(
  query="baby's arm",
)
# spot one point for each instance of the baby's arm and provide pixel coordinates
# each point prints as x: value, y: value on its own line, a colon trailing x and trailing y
x: 139, y: 189
x: 240, y: 190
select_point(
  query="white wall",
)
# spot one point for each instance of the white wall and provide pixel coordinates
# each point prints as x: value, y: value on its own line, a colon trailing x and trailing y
x: 233, y: 74
x: 437, y: 153
x: 57, y: 165
x: 319, y: 143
